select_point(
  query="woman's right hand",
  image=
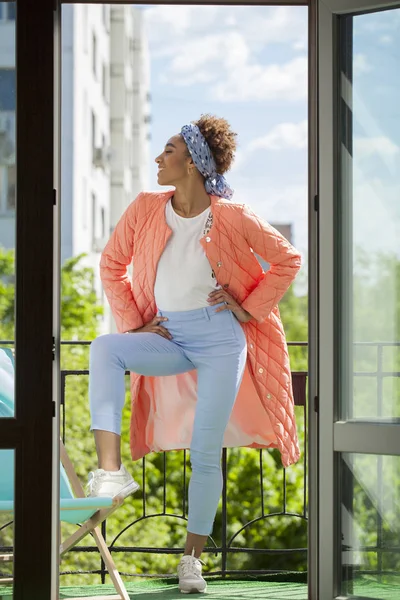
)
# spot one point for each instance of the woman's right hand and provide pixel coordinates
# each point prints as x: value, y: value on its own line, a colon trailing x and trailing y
x: 154, y: 327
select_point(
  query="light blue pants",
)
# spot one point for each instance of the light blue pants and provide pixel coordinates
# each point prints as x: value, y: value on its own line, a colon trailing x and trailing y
x: 215, y: 345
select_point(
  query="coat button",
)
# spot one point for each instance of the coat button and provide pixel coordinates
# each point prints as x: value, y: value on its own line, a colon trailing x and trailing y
x: 269, y: 396
x: 261, y: 370
x: 208, y: 239
x: 252, y: 346
x: 226, y: 285
x: 219, y: 264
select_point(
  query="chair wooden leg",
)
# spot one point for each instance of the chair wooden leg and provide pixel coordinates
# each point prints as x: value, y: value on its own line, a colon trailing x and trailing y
x: 111, y: 568
x: 86, y: 528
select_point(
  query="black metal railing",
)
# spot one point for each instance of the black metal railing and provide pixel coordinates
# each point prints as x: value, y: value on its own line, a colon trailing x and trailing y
x: 226, y: 545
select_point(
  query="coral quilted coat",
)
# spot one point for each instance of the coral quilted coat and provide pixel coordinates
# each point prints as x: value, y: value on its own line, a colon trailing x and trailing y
x: 163, y: 407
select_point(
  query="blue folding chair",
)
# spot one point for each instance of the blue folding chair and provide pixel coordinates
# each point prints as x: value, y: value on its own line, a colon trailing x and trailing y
x: 75, y: 508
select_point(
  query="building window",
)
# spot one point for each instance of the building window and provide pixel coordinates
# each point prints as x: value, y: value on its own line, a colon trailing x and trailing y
x: 105, y: 82
x: 11, y: 187
x: 93, y: 134
x: 94, y: 219
x: 10, y: 11
x: 7, y: 188
x: 7, y: 11
x: 103, y: 223
x: 94, y: 54
x: 7, y: 90
x: 85, y: 28
x: 3, y: 188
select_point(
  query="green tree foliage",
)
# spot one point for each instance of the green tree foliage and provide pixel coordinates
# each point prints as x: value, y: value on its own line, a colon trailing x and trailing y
x: 7, y: 292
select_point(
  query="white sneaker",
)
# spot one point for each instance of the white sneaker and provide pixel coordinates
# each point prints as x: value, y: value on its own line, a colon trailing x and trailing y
x: 189, y: 573
x: 110, y: 484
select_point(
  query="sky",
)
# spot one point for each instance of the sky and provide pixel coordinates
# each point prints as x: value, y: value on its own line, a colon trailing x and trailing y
x: 249, y: 65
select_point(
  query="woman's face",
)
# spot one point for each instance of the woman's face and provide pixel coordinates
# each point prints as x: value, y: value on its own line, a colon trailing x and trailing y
x: 174, y: 163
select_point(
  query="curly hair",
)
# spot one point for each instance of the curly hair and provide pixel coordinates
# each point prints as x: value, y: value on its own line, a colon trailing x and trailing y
x: 220, y: 138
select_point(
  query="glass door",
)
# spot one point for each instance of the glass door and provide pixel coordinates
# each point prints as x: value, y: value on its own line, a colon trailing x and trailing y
x: 358, y: 400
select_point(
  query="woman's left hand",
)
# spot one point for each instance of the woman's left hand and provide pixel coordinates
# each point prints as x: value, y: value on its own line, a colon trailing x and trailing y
x: 230, y: 304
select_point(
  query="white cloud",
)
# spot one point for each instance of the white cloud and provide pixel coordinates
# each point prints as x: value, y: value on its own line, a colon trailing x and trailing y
x: 205, y: 58
x: 361, y: 65
x: 222, y: 46
x: 167, y: 25
x: 365, y: 147
x: 249, y: 81
x: 283, y: 136
x: 386, y: 40
x: 164, y: 24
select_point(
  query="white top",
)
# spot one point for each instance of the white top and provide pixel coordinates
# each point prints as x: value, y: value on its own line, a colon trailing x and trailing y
x: 184, y: 276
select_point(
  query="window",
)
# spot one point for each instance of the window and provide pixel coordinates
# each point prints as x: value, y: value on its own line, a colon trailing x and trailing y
x: 93, y: 133
x: 134, y: 45
x: 103, y: 223
x: 3, y: 188
x: 104, y: 78
x: 7, y: 11
x: 94, y: 219
x: 10, y: 11
x: 11, y: 185
x: 85, y: 28
x: 7, y: 188
x: 7, y: 89
x: 94, y: 54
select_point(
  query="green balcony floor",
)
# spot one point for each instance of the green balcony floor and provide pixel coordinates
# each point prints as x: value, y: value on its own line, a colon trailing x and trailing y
x: 227, y: 589
x: 216, y: 589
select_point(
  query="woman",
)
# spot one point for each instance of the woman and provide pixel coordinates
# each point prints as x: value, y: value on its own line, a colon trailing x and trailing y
x: 199, y: 330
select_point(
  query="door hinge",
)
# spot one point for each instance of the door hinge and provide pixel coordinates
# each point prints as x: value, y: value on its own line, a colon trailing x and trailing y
x: 54, y: 348
x: 54, y: 197
x: 316, y: 203
x: 316, y: 404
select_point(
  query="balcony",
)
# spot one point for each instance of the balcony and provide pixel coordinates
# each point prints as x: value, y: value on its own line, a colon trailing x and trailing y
x: 246, y: 559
